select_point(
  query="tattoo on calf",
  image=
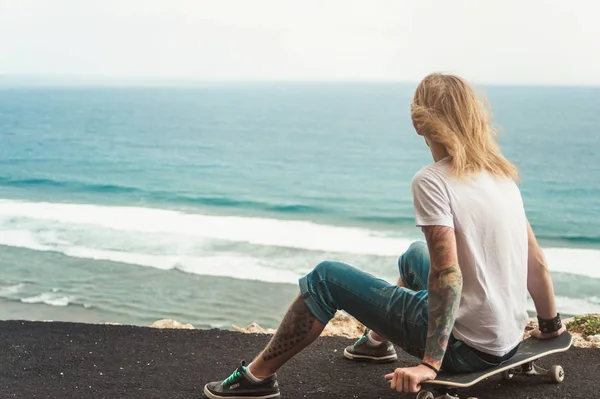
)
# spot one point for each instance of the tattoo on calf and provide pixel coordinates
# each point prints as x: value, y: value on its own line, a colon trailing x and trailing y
x: 294, y: 328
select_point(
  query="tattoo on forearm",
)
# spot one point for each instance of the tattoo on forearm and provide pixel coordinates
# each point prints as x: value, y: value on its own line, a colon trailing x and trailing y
x: 445, y: 287
x: 294, y: 328
x: 444, y: 297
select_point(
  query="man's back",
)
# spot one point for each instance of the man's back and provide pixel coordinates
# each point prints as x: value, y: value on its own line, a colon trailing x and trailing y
x: 489, y: 220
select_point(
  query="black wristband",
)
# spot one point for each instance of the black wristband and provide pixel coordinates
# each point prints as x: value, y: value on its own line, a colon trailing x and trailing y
x: 549, y: 325
x: 431, y: 367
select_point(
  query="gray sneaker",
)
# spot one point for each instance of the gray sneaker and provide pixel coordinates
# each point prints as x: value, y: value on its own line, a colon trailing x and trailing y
x: 365, y: 351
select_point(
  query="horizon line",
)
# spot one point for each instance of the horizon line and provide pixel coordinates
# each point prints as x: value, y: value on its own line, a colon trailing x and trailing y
x: 20, y: 80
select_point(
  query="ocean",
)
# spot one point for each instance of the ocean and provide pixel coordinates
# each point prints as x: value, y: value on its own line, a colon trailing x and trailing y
x: 206, y: 203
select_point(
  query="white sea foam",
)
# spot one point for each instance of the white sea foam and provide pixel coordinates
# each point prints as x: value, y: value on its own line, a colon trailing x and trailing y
x: 252, y: 230
x: 20, y: 238
x: 248, y: 248
x: 584, y: 262
x: 9, y: 290
x: 241, y: 267
x: 168, y: 239
x: 49, y: 298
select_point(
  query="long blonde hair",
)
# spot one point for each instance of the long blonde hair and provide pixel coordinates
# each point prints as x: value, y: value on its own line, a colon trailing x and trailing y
x: 446, y: 110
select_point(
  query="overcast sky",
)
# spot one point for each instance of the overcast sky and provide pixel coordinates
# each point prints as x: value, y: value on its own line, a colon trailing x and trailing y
x: 491, y: 41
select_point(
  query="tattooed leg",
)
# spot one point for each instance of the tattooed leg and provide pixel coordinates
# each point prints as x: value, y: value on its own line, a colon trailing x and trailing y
x: 298, y: 329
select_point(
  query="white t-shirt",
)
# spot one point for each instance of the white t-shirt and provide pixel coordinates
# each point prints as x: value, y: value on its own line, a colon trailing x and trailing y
x: 489, y: 221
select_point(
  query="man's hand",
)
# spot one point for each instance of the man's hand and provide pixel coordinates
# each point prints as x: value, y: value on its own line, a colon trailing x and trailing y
x: 540, y: 335
x: 409, y: 379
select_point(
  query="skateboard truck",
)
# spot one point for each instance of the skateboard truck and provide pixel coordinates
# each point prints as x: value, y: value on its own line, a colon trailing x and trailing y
x: 556, y: 372
x: 449, y: 394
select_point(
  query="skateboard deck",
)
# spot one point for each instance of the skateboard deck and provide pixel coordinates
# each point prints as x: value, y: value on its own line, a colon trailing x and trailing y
x: 530, y: 350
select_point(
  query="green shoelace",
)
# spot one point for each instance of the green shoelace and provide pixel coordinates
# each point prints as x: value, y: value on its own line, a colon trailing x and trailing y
x: 236, y: 374
x: 361, y: 339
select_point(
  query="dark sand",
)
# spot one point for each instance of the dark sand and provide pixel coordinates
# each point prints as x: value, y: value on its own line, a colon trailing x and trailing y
x: 67, y: 360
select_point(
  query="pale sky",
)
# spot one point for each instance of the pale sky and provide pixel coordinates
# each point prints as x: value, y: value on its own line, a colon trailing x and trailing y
x: 490, y: 41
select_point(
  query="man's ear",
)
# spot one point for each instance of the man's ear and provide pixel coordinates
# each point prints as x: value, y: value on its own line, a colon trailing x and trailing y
x: 417, y: 130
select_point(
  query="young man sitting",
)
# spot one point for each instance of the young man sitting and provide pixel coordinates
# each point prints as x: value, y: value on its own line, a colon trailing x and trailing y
x: 462, y: 296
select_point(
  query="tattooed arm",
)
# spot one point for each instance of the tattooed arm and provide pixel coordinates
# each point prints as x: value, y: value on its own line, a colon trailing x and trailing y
x: 444, y: 287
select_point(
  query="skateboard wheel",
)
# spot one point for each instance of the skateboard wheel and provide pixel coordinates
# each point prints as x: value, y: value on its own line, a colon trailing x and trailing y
x: 507, y: 374
x: 556, y: 373
x: 425, y: 395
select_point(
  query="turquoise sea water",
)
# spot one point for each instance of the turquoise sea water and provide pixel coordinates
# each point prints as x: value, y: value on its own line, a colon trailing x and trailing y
x: 207, y: 203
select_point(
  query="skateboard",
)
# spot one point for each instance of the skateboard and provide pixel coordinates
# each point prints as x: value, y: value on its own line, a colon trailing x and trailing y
x: 522, y: 362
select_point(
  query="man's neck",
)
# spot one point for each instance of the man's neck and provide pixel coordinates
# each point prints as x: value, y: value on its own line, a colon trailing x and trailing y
x: 438, y: 151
